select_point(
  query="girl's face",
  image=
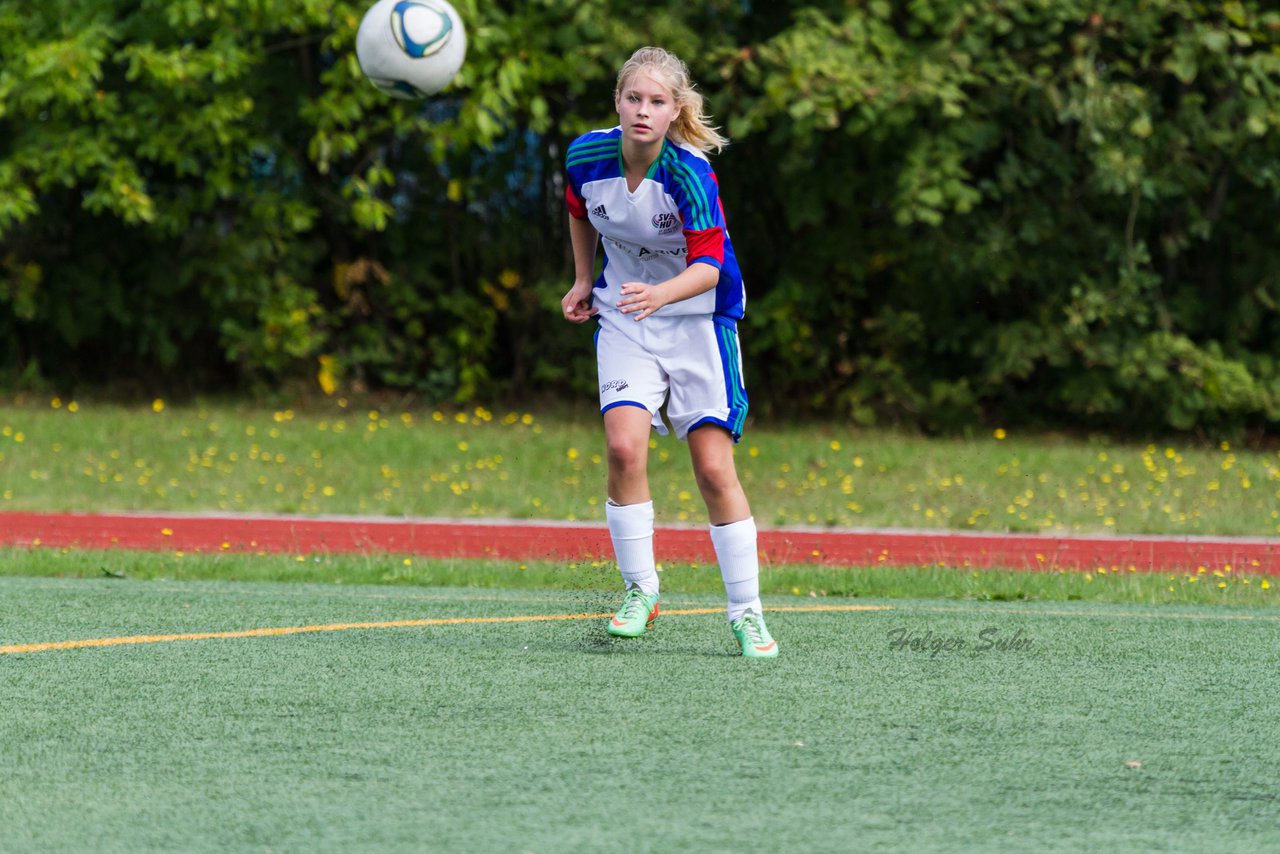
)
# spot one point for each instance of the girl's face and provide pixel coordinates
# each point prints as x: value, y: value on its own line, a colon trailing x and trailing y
x: 647, y: 108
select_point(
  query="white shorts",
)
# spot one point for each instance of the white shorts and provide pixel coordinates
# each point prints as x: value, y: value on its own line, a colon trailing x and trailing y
x: 690, y: 361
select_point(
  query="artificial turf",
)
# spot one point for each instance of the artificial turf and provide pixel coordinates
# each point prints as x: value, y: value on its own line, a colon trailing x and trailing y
x: 1110, y: 727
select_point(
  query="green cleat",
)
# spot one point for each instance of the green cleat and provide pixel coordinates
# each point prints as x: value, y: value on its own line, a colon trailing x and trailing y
x: 754, y: 636
x: 636, y: 614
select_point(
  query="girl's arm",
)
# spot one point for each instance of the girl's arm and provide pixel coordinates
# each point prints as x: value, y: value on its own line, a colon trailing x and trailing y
x: 584, y: 238
x: 643, y: 300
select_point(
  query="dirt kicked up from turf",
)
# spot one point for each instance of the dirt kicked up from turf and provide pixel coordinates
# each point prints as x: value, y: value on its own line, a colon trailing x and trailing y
x: 551, y: 541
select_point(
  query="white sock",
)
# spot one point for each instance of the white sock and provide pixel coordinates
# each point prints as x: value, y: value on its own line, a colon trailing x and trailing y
x: 735, y: 546
x: 631, y: 529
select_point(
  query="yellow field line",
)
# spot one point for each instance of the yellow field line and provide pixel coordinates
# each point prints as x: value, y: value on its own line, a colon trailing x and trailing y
x: 281, y: 631
x: 13, y: 649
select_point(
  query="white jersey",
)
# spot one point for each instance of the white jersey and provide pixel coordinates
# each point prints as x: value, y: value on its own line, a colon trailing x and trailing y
x: 672, y: 220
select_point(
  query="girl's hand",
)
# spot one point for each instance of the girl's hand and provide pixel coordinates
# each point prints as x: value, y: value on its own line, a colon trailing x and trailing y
x: 576, y: 304
x: 641, y: 299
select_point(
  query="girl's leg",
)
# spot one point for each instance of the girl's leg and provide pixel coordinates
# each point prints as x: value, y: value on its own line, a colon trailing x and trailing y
x: 629, y: 510
x: 733, y: 530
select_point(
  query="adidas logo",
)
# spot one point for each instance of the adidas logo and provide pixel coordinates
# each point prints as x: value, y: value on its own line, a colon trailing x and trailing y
x: 598, y: 212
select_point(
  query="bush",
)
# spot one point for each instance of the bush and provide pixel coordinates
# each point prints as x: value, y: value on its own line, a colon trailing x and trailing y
x: 948, y: 212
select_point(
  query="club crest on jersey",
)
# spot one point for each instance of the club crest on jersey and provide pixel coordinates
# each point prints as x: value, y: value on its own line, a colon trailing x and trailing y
x: 598, y: 212
x: 665, y: 222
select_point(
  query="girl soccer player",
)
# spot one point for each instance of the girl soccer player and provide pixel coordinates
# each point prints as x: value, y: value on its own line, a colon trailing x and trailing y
x: 667, y: 305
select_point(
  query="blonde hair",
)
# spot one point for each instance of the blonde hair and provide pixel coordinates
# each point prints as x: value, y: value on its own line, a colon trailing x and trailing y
x: 692, y: 125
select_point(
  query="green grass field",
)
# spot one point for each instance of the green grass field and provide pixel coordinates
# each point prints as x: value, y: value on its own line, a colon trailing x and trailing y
x: 1098, y: 727
x: 385, y: 702
x: 1216, y: 587
x: 330, y: 458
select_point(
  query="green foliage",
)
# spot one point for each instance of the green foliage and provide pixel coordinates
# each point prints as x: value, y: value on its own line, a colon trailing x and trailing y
x: 1038, y: 211
x: 1047, y: 211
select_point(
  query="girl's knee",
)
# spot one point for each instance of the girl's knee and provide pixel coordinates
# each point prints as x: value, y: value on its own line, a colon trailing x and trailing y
x: 627, y: 453
x: 716, y: 475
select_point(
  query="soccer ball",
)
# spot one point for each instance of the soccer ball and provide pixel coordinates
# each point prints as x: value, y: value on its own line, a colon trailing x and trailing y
x: 411, y: 48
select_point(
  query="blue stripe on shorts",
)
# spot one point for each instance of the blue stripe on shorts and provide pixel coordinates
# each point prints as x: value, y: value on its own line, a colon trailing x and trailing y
x: 735, y: 390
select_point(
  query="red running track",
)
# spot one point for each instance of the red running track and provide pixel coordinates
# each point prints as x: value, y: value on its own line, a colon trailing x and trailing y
x: 514, y: 540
